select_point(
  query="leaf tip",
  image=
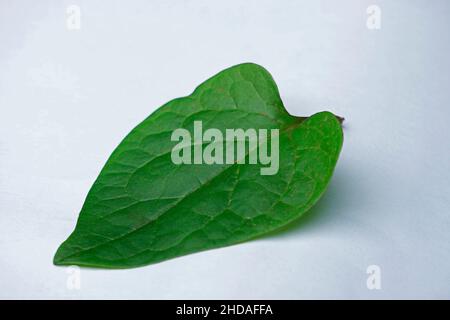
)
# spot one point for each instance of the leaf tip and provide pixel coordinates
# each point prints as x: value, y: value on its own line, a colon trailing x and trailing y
x: 59, y: 258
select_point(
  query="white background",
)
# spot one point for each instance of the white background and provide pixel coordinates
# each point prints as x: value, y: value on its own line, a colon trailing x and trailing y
x: 68, y: 97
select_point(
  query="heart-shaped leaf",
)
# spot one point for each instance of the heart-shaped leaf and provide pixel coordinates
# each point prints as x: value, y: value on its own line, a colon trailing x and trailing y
x: 144, y: 208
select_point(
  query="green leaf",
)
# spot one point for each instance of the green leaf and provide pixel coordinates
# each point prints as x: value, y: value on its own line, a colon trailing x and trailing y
x: 143, y: 208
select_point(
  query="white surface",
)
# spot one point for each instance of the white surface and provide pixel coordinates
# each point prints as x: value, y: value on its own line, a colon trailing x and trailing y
x: 67, y: 98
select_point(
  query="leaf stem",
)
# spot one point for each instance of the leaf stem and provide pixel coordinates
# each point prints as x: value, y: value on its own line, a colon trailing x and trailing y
x: 340, y: 119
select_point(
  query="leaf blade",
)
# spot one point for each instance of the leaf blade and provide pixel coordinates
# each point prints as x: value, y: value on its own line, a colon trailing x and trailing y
x: 134, y: 215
